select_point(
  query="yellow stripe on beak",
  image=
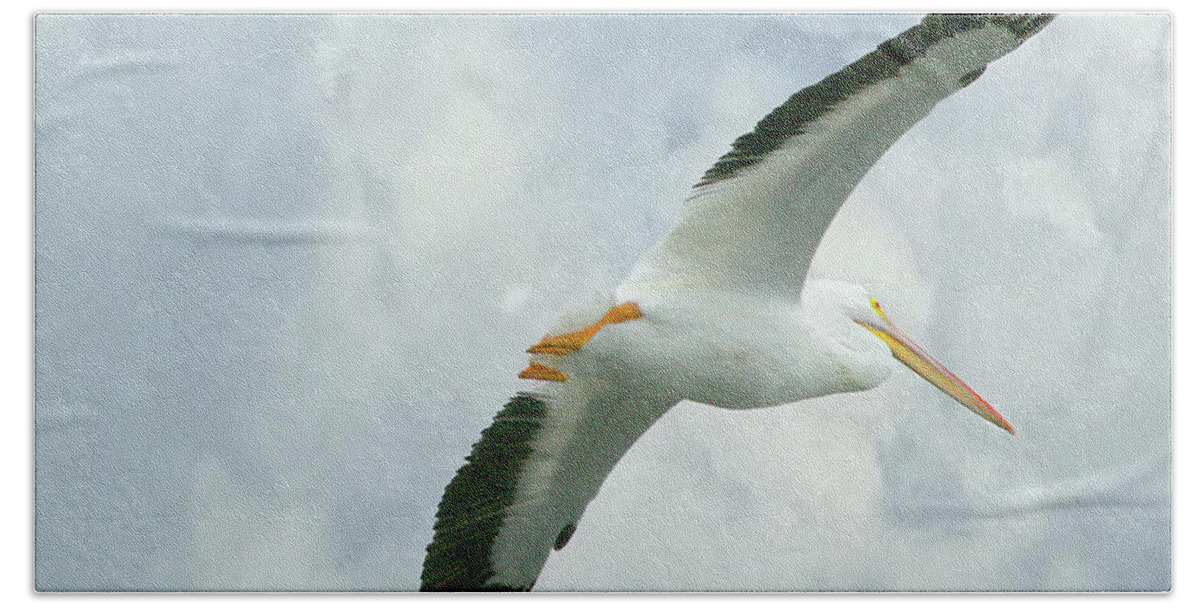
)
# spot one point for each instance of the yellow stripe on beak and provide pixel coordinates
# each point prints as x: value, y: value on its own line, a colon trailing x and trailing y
x: 907, y: 351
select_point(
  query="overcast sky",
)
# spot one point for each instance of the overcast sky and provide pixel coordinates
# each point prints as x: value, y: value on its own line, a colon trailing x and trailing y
x: 287, y: 268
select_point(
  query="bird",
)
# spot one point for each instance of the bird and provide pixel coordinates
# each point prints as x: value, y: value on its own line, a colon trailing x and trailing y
x: 718, y: 312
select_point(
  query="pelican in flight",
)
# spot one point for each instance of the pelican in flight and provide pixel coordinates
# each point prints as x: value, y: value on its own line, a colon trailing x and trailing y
x: 713, y: 312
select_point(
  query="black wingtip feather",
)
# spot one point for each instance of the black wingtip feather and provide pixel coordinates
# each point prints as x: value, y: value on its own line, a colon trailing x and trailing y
x: 1024, y: 26
x: 791, y: 118
x: 473, y: 507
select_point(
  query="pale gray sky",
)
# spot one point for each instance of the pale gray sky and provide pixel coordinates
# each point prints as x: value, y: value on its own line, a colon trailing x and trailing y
x: 287, y: 269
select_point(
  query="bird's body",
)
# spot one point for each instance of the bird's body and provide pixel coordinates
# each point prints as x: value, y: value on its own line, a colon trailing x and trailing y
x: 714, y: 312
x: 739, y: 351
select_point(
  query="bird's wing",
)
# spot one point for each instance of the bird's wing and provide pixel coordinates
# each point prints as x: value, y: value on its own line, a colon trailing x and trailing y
x: 528, y: 480
x: 755, y: 219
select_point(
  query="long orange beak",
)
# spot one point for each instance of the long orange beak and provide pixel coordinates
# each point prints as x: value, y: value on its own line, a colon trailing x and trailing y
x: 907, y: 351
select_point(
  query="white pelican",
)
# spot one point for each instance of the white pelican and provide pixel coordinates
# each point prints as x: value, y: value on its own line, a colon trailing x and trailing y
x: 712, y: 313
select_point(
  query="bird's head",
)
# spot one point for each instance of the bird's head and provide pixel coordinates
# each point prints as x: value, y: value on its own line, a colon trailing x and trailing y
x: 852, y: 301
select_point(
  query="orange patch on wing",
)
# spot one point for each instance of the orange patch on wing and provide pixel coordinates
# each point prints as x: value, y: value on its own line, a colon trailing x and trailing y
x: 537, y: 371
x: 569, y: 343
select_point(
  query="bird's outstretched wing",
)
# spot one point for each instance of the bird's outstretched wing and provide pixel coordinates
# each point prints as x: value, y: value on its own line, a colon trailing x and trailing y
x: 528, y: 480
x: 755, y: 219
x: 752, y: 226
